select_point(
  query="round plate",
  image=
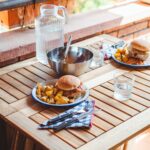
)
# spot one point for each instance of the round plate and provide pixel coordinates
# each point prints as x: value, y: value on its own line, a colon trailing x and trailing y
x: 77, y: 101
x: 128, y: 65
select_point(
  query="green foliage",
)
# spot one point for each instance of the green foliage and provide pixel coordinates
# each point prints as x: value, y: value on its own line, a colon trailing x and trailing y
x: 85, y: 5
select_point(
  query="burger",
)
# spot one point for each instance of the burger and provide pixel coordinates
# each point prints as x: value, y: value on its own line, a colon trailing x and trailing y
x: 139, y: 49
x: 71, y: 86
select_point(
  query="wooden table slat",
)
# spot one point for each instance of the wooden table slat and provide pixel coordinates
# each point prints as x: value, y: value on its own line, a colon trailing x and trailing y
x: 39, y: 73
x: 22, y: 79
x: 19, y: 86
x: 140, y: 80
x: 45, y: 69
x: 111, y: 110
x: 95, y: 130
x: 141, y: 100
x: 130, y: 103
x: 5, y: 109
x: 42, y: 136
x: 23, y: 103
x: 33, y: 109
x: 140, y: 121
x: 109, y: 118
x: 137, y: 98
x: 146, y: 71
x: 142, y: 75
x: 7, y: 97
x: 64, y: 135
x: 114, y: 103
x: 11, y: 90
x: 141, y: 86
x: 30, y: 75
x: 140, y: 93
x: 115, y: 122
x: 85, y: 136
x: 102, y: 124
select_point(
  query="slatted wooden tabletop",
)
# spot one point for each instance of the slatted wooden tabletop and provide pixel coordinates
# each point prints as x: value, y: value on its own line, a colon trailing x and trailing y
x: 115, y: 123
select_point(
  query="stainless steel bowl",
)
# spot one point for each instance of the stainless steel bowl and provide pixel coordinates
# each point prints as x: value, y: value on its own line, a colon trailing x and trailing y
x: 77, y: 62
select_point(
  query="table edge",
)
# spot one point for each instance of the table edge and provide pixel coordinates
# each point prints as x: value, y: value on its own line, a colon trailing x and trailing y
x: 116, y: 134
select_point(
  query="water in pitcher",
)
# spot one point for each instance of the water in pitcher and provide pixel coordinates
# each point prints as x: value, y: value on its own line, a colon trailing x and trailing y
x: 49, y: 31
x: 47, y: 40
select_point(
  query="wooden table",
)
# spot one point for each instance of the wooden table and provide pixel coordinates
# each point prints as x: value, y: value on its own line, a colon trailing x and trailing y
x: 116, y: 123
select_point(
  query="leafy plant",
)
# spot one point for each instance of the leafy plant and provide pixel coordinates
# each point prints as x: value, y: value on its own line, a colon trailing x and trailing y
x: 85, y: 5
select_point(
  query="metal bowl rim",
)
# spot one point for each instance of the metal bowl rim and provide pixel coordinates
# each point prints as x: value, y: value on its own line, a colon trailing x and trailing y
x: 71, y: 63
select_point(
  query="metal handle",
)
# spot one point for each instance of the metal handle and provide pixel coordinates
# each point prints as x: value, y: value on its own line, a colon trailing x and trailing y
x: 68, y: 46
x: 55, y: 120
x: 64, y: 13
x: 59, y: 118
x: 64, y: 124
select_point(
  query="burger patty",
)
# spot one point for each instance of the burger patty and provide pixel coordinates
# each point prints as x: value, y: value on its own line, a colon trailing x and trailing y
x: 138, y: 54
x: 74, y: 93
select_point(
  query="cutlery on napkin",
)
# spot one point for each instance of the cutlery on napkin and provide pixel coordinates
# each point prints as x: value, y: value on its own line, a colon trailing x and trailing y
x: 61, y: 117
x: 64, y: 124
x: 108, y: 49
x: 86, y: 106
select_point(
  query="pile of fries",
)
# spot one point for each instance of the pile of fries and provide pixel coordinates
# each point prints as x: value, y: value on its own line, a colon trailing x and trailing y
x: 52, y: 95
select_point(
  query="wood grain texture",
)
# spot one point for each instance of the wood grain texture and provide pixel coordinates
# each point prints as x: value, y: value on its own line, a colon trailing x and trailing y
x: 13, y: 82
x: 117, y: 136
x: 22, y: 79
x: 43, y: 137
x: 12, y: 67
x: 11, y: 90
x: 114, y: 123
x: 5, y: 109
x: 7, y: 97
x: 130, y: 103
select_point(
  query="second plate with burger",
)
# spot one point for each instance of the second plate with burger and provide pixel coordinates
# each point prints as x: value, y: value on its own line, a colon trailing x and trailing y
x: 65, y: 91
x: 136, y: 55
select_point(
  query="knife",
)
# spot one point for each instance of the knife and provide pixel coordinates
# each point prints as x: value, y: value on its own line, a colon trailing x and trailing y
x: 74, y: 119
x: 118, y: 44
x: 59, y: 118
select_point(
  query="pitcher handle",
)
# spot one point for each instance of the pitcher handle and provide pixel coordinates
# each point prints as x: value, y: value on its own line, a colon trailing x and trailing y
x: 64, y: 13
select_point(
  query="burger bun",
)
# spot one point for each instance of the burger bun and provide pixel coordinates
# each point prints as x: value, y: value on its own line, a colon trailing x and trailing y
x: 139, y: 49
x: 68, y: 82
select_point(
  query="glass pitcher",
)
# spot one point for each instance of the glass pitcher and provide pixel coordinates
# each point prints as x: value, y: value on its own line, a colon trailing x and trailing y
x: 49, y: 30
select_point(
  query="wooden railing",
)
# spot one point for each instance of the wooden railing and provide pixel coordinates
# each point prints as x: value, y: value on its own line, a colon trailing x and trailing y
x: 9, y: 4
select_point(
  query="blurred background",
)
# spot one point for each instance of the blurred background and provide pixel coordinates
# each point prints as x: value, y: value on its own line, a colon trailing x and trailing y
x: 17, y: 16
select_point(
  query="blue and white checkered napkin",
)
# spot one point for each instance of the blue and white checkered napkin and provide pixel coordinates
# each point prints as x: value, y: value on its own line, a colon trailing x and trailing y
x: 108, y: 49
x: 84, y: 122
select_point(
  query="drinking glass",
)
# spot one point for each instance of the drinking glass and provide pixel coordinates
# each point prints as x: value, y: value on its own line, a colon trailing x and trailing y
x: 98, y: 59
x: 123, y: 86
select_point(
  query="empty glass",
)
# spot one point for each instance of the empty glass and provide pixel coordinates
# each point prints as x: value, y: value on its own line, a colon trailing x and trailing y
x: 123, y: 86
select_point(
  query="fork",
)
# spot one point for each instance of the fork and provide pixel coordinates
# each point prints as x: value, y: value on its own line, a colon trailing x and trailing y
x: 61, y: 117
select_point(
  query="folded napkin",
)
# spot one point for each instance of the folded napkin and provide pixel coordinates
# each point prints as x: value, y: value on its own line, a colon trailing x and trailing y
x: 87, y: 105
x: 108, y: 49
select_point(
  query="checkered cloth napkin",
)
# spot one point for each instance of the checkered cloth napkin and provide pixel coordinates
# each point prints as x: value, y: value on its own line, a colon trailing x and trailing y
x: 108, y: 49
x: 84, y: 122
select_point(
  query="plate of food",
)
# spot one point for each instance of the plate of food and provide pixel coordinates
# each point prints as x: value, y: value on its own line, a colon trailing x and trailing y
x: 65, y: 91
x: 136, y: 55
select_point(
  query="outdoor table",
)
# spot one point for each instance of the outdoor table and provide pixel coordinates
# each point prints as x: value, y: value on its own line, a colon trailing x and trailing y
x: 114, y: 124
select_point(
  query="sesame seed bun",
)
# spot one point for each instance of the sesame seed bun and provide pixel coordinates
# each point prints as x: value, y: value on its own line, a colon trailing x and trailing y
x: 68, y: 82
